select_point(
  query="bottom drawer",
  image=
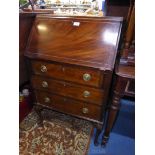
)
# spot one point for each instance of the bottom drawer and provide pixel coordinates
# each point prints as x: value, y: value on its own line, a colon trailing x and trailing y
x: 69, y: 106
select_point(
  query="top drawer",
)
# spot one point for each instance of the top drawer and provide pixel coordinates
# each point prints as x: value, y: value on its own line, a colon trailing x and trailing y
x: 76, y: 74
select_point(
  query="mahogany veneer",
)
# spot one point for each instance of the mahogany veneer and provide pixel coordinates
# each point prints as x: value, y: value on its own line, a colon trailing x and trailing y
x: 72, y: 61
x: 69, y: 89
x: 68, y: 73
x: 70, y: 106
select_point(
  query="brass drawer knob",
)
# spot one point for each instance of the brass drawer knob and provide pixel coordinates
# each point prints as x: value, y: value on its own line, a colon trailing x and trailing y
x: 86, y: 93
x: 86, y: 77
x: 44, y: 84
x: 85, y: 110
x: 47, y: 99
x: 43, y: 68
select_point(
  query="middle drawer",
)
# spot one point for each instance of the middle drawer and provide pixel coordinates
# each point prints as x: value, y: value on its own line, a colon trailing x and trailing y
x: 67, y: 89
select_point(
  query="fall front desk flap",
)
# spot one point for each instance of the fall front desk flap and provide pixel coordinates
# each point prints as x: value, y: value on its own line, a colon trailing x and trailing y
x: 87, y: 41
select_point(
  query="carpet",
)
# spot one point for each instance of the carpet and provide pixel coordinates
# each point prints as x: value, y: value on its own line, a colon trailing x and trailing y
x: 121, y: 141
x: 60, y: 135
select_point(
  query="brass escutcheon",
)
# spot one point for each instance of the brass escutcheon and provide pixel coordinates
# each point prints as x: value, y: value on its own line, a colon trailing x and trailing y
x: 64, y: 99
x: 63, y: 69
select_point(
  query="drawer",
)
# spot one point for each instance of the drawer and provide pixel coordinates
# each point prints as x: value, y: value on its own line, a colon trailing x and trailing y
x: 70, y: 106
x: 72, y: 73
x: 67, y: 89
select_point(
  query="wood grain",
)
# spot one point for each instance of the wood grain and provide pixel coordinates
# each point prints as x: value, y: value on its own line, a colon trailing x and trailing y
x: 68, y: 72
x: 93, y: 43
x: 69, y: 89
x: 67, y: 105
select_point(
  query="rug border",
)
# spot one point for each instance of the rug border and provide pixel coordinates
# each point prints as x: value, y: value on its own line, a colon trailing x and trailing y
x: 90, y: 135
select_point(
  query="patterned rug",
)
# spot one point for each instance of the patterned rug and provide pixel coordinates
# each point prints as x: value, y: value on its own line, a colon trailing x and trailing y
x: 60, y: 135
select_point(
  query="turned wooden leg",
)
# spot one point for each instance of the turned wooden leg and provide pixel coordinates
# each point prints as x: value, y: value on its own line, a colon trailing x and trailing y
x: 98, y: 132
x: 38, y: 110
x: 111, y: 117
x: 118, y: 91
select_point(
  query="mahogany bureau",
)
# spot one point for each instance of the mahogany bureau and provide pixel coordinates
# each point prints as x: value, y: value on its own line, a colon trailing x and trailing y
x: 72, y: 61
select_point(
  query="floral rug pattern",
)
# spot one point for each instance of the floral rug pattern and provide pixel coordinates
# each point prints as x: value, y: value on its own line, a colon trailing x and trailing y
x: 60, y: 135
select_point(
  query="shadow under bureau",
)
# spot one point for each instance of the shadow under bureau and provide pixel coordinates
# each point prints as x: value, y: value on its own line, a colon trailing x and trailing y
x: 72, y: 61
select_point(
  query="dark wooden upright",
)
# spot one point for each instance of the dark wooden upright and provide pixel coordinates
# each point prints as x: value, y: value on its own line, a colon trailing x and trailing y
x: 72, y: 61
x: 124, y: 77
x: 25, y: 24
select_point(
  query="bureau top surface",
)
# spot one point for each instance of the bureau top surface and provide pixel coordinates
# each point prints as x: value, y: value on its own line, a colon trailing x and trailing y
x: 90, y: 42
